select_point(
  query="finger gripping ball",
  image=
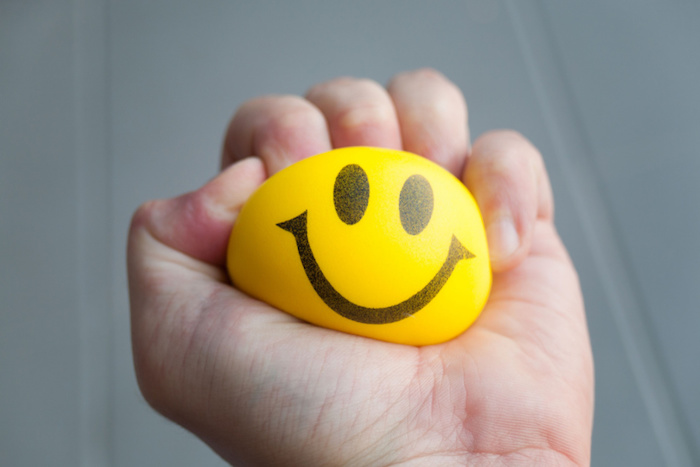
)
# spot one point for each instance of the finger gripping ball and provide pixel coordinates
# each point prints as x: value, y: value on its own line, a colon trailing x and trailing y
x: 374, y: 242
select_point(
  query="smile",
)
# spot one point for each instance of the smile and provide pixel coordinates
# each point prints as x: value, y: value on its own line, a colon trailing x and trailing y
x: 344, y: 307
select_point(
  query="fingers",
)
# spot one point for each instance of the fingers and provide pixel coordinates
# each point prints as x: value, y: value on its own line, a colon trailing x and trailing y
x: 199, y: 223
x: 279, y: 129
x: 432, y: 115
x: 507, y: 176
x: 421, y: 112
x: 359, y: 113
x: 284, y: 129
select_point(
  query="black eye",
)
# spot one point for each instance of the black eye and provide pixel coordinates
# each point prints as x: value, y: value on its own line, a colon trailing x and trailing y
x: 415, y: 204
x: 351, y: 193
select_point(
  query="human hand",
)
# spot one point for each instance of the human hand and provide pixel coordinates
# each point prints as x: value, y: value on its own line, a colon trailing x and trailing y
x: 264, y: 388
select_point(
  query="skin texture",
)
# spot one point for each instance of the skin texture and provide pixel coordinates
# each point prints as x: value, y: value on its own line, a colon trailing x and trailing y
x: 263, y: 388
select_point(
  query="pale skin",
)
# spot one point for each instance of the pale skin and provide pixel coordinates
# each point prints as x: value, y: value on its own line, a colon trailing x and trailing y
x: 264, y: 388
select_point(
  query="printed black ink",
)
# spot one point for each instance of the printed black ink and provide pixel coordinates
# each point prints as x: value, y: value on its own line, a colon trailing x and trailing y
x: 351, y: 194
x: 338, y: 303
x: 415, y: 204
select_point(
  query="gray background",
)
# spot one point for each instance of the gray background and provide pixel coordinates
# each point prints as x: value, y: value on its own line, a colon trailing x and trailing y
x: 105, y: 104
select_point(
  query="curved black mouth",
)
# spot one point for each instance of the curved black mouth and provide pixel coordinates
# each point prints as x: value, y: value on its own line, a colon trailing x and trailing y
x: 361, y: 314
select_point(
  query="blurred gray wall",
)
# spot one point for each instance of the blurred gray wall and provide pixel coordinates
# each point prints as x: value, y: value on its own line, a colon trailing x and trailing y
x: 105, y: 104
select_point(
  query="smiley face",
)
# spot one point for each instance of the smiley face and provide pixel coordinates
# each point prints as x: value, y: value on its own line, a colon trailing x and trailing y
x: 351, y: 197
x: 383, y: 244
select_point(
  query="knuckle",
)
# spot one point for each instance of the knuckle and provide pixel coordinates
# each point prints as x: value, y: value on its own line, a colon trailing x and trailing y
x: 429, y: 92
x: 269, y: 102
x: 368, y: 87
x: 507, y: 147
x: 423, y: 75
x: 427, y: 77
x: 277, y: 118
x: 503, y: 137
x: 250, y: 106
x: 363, y: 115
x: 429, y: 73
x: 438, y: 116
x: 346, y: 87
x: 352, y: 103
x: 294, y: 116
x: 289, y: 124
x: 435, y: 79
x: 286, y: 102
x: 143, y: 215
x: 320, y: 91
x: 508, y: 159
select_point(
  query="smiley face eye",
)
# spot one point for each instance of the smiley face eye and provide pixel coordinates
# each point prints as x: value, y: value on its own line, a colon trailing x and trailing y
x: 415, y: 204
x: 351, y: 194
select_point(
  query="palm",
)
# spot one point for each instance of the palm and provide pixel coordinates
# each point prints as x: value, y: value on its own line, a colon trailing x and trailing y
x: 507, y: 386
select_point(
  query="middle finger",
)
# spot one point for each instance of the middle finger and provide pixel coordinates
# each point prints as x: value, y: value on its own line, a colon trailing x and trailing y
x: 359, y: 112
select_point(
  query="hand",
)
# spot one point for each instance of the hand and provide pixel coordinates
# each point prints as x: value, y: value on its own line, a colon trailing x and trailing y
x: 262, y: 387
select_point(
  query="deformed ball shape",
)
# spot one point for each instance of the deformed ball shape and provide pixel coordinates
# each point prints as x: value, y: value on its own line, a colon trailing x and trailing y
x: 374, y: 242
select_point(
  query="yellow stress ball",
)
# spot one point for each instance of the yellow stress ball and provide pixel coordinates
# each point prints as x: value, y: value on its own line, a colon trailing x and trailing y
x: 374, y: 242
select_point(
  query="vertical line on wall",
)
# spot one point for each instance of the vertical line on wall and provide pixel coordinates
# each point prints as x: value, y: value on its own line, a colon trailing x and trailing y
x: 573, y: 150
x: 93, y: 212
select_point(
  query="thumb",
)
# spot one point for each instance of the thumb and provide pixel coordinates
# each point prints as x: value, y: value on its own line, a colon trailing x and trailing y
x: 176, y: 250
x: 199, y: 223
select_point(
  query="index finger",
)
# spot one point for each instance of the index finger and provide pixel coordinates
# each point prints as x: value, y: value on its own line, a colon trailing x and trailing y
x: 280, y: 130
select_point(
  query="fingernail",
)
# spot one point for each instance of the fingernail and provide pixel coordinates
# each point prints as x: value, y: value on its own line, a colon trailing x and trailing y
x: 502, y: 238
